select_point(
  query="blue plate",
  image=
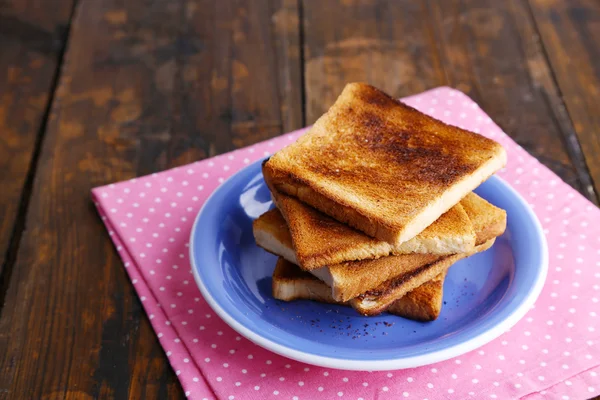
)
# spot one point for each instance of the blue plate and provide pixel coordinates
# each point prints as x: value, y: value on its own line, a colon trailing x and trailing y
x: 484, y: 295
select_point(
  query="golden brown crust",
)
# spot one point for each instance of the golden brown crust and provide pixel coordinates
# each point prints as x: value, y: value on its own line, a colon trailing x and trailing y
x: 290, y: 283
x: 320, y: 240
x: 379, y: 165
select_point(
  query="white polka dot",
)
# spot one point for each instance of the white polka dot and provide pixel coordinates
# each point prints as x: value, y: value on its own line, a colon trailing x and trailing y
x: 385, y: 389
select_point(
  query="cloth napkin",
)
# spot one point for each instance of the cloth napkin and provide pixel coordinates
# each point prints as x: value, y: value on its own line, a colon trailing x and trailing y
x: 553, y: 352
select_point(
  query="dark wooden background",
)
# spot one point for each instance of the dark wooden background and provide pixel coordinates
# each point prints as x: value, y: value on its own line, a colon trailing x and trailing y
x: 97, y: 91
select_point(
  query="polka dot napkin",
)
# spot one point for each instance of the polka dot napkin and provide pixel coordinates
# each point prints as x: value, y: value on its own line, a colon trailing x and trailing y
x: 553, y: 352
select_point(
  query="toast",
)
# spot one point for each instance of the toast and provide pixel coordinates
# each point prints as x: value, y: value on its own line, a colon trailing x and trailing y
x: 376, y: 301
x: 319, y: 240
x: 353, y: 278
x: 421, y: 304
x: 382, y: 167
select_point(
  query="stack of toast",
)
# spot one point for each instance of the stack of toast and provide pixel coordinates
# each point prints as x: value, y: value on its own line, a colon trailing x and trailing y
x: 374, y: 204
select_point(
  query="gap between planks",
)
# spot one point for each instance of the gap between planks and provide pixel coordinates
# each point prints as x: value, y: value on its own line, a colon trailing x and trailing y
x: 19, y: 226
x: 564, y: 121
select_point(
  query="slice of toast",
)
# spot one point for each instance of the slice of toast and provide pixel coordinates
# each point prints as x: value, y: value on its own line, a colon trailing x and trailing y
x: 421, y: 304
x: 376, y: 301
x: 351, y: 279
x: 319, y: 240
x: 381, y: 166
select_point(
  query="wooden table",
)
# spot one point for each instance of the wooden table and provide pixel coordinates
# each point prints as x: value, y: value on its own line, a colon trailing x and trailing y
x: 97, y: 91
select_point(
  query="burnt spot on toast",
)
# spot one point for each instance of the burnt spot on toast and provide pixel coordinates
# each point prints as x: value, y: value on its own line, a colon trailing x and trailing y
x: 376, y: 97
x: 427, y: 158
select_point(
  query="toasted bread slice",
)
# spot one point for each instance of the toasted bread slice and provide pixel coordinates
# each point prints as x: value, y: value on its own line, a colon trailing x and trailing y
x: 376, y: 301
x: 421, y: 304
x: 319, y: 240
x: 381, y: 166
x: 350, y: 279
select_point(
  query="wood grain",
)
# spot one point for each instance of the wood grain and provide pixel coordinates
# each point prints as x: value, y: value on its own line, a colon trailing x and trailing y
x: 484, y: 48
x: 489, y: 50
x: 144, y: 87
x: 384, y: 43
x: 569, y: 32
x: 32, y: 34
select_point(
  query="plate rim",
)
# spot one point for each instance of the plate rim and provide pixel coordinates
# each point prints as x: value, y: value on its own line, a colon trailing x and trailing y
x: 435, y: 356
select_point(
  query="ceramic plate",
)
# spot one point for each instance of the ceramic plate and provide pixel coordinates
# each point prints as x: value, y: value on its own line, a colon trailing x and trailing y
x: 484, y: 295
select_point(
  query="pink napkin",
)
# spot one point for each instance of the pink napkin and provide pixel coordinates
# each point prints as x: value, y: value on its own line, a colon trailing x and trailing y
x: 553, y: 352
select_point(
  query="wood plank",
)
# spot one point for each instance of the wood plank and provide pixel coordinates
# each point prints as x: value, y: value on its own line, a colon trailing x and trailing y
x: 32, y: 40
x: 385, y: 43
x: 488, y: 52
x: 489, y: 49
x: 569, y: 32
x: 480, y: 47
x: 144, y: 87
